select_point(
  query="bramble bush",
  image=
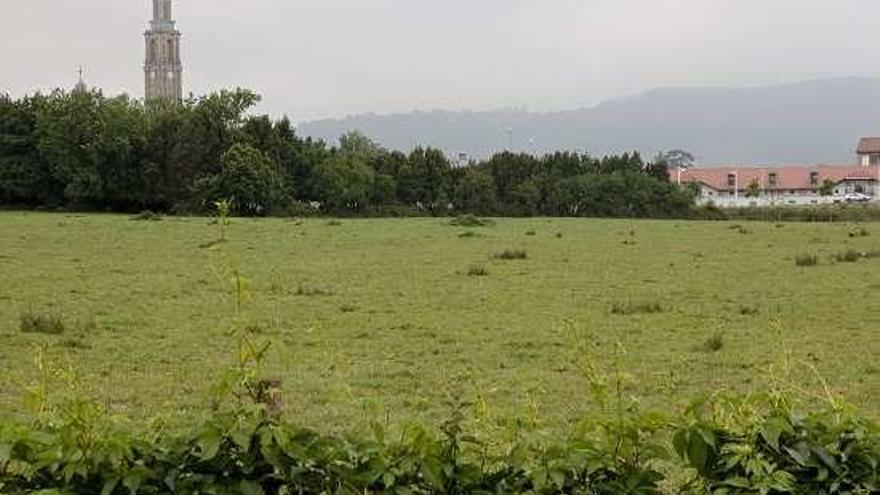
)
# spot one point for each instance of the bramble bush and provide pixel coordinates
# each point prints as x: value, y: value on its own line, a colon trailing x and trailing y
x: 734, y: 446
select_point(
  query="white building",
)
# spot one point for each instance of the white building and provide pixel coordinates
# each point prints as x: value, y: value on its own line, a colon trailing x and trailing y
x: 789, y: 185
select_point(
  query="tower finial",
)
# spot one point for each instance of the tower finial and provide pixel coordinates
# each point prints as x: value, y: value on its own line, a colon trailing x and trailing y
x: 81, y: 83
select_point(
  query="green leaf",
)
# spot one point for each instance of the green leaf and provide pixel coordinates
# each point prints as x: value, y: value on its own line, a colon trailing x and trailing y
x: 708, y: 436
x: 680, y: 443
x: 209, y: 444
x: 5, y: 452
x: 251, y: 488
x: 773, y: 429
x: 698, y: 453
x: 134, y: 478
x: 110, y: 485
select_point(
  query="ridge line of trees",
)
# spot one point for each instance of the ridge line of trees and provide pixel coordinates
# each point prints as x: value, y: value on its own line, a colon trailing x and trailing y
x: 82, y: 150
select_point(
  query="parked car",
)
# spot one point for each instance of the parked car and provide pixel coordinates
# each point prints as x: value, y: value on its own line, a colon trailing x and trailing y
x: 857, y: 198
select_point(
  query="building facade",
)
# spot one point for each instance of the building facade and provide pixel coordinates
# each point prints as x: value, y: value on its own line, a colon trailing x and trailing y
x: 163, y: 72
x: 789, y: 185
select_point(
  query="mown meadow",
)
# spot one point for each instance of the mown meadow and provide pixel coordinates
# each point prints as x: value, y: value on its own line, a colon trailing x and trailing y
x: 386, y: 319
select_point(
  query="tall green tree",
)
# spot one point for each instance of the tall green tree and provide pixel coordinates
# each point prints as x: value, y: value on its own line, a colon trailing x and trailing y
x: 423, y: 180
x: 344, y: 183
x: 475, y: 192
x: 23, y: 177
x: 248, y: 178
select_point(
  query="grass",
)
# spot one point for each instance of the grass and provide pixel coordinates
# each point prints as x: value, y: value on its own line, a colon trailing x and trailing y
x: 404, y: 328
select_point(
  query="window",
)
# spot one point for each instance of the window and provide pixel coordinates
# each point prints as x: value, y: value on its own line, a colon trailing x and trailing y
x: 774, y: 179
x: 731, y: 180
x: 875, y: 159
x: 814, y: 178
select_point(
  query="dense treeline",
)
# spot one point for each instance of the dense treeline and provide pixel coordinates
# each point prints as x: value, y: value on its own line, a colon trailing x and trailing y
x: 82, y: 150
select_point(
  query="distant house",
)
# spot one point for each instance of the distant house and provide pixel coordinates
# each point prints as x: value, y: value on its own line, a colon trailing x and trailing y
x: 869, y: 151
x: 789, y: 185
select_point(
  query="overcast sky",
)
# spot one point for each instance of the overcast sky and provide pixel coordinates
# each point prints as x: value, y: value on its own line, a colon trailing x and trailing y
x: 326, y: 58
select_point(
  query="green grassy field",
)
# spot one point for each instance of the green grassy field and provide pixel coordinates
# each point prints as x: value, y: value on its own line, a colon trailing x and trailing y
x: 370, y: 318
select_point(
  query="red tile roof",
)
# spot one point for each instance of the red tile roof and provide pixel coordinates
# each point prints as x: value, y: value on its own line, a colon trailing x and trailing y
x: 869, y: 145
x: 787, y: 177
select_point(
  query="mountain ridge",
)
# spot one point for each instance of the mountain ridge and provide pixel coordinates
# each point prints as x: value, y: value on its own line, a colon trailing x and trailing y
x: 806, y: 122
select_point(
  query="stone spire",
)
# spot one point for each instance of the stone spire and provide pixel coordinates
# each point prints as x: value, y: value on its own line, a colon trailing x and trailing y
x: 81, y: 83
x: 163, y: 73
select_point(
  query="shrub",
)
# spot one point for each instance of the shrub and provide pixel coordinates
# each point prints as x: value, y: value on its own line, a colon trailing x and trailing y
x: 636, y: 308
x: 478, y: 271
x: 333, y: 223
x: 467, y: 235
x: 531, y: 233
x: 511, y: 254
x: 806, y: 260
x: 760, y: 445
x: 30, y: 322
x: 559, y: 235
x: 848, y: 256
x: 861, y: 232
x: 147, y: 215
x: 348, y: 308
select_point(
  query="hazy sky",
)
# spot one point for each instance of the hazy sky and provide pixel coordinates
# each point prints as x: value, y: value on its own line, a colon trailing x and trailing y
x: 324, y: 58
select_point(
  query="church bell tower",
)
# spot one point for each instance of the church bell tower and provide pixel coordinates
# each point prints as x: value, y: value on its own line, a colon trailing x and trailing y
x: 163, y: 72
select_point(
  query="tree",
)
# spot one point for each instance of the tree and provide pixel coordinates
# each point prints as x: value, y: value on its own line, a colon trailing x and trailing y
x: 423, y: 179
x: 677, y: 159
x: 827, y: 188
x: 23, y: 177
x: 248, y: 178
x: 753, y: 190
x: 344, y: 183
x: 475, y: 192
x: 356, y: 143
x: 68, y: 128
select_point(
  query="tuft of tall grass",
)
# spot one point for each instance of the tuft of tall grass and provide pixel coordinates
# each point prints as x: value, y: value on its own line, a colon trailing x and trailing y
x: 714, y: 343
x: 147, y: 215
x: 306, y: 291
x: 749, y: 310
x: 848, y: 256
x: 636, y: 308
x: 469, y: 220
x: 478, y: 271
x: 511, y: 254
x: 30, y: 322
x: 806, y: 260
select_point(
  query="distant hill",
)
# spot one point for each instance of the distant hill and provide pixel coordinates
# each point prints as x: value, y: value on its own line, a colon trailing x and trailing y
x: 803, y: 123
